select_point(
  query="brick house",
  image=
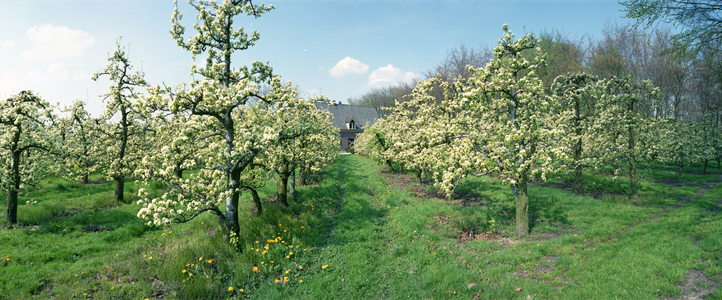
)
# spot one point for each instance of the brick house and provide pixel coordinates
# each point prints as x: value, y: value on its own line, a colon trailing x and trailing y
x: 350, y: 120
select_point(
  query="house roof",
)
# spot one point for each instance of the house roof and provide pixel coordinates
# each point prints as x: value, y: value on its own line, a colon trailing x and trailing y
x: 343, y: 114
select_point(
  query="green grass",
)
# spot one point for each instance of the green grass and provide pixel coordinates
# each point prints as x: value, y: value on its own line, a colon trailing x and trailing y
x: 377, y: 241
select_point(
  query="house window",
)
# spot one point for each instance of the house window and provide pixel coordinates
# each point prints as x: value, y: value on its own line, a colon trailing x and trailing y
x: 350, y: 142
x: 352, y: 125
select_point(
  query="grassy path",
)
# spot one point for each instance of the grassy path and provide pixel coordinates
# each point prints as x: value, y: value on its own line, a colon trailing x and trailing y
x: 385, y: 243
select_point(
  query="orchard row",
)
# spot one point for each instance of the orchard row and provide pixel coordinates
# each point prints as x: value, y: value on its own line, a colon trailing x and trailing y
x: 500, y: 120
x: 234, y: 127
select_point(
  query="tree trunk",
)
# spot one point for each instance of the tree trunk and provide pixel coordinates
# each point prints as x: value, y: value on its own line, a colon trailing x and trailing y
x: 292, y: 190
x: 178, y: 173
x: 11, y: 212
x: 578, y: 146
x: 257, y: 201
x: 229, y: 222
x: 391, y: 166
x: 303, y: 174
x: 119, y: 186
x: 522, y: 209
x: 418, y: 174
x: 85, y: 179
x: 281, y: 185
x: 633, y: 178
x: 681, y: 167
x: 632, y: 159
x: 578, y: 165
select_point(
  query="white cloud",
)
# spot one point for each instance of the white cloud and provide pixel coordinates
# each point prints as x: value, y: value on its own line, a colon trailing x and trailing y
x: 56, y: 72
x: 347, y: 66
x: 389, y: 75
x: 56, y: 42
x: 7, y: 44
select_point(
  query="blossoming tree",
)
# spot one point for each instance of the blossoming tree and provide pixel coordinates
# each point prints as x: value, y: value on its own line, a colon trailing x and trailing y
x: 577, y: 93
x: 79, y: 143
x: 312, y: 141
x: 238, y: 122
x: 516, y: 129
x: 622, y: 135
x: 26, y: 137
x: 122, y: 140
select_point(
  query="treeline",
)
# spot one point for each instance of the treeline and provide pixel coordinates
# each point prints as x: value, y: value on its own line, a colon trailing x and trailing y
x: 689, y: 82
x: 538, y: 105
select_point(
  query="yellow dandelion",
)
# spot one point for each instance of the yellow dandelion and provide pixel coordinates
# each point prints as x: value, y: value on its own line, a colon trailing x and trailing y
x: 324, y: 266
x: 188, y: 265
x: 230, y: 288
x: 183, y: 280
x: 190, y: 274
x: 193, y: 265
x: 300, y: 267
x: 289, y: 270
x: 261, y: 262
x: 288, y: 256
x: 290, y: 246
x: 300, y: 281
x: 276, y: 280
x: 209, y: 261
x: 291, y: 253
x: 271, y: 261
x: 150, y: 257
x: 264, y: 252
x: 241, y: 290
x: 285, y: 279
x: 200, y: 258
x: 184, y: 270
x: 255, y: 269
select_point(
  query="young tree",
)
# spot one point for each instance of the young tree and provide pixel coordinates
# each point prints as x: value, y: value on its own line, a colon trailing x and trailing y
x: 621, y: 132
x: 311, y: 139
x: 27, y: 138
x: 577, y: 93
x: 516, y: 135
x: 79, y: 143
x: 679, y: 143
x: 123, y: 138
x: 374, y: 143
x: 237, y: 131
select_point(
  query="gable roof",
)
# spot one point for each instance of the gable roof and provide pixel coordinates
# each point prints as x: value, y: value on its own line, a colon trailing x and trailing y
x: 343, y: 113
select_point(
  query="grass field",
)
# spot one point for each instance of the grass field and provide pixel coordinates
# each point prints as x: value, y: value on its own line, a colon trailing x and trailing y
x: 361, y: 232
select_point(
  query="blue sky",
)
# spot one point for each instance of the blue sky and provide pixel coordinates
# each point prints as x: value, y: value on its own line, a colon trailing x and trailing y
x: 337, y: 48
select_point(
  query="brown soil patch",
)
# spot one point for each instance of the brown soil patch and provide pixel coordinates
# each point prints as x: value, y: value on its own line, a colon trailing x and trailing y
x: 545, y: 267
x: 487, y: 236
x: 696, y: 286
